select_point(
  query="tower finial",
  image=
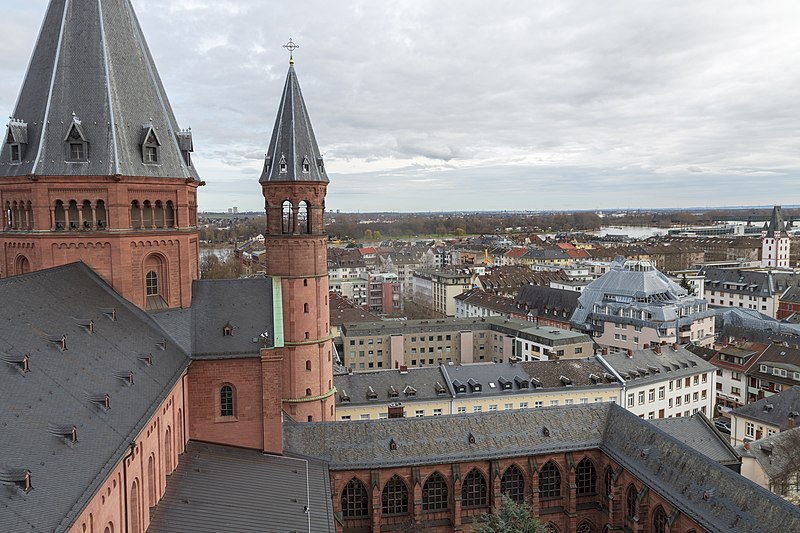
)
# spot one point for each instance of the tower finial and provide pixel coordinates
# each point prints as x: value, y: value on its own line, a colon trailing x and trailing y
x: 291, y: 46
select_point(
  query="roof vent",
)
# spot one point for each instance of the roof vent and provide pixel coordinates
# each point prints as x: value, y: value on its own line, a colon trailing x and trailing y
x: 471, y: 438
x: 126, y: 377
x: 59, y: 341
x: 146, y: 358
x: 535, y: 383
x: 371, y: 394
x: 566, y: 381
x: 86, y: 324
x: 708, y: 494
x: 768, y: 407
x: 392, y: 445
x: 609, y: 377
x: 344, y: 396
x: 440, y: 390
x: 767, y: 448
x: 20, y: 363
x: 410, y: 391
x: 103, y: 400
x: 393, y: 392
x: 68, y: 433
x: 545, y: 431
x: 645, y: 453
x: 20, y: 478
x: 595, y: 378
x: 162, y: 344
x: 793, y: 414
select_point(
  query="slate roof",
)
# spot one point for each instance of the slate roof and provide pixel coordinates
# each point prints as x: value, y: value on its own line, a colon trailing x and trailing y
x: 499, y: 304
x: 92, y: 68
x: 293, y: 142
x: 748, y: 282
x: 668, y: 466
x: 776, y: 223
x: 697, y: 432
x: 777, y: 454
x: 775, y: 410
x: 354, y: 389
x: 344, y: 310
x: 540, y: 298
x: 244, y: 304
x: 62, y: 389
x: 647, y: 366
x: 222, y: 488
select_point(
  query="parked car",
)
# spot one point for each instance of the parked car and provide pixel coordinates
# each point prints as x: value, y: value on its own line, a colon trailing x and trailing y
x: 723, y: 426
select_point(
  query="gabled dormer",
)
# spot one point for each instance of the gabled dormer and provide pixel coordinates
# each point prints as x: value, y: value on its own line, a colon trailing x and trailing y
x: 150, y: 145
x: 76, y: 143
x: 186, y: 146
x: 17, y: 139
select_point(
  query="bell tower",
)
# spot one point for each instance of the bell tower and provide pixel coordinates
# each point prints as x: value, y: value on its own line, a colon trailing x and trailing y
x: 93, y: 166
x: 294, y: 183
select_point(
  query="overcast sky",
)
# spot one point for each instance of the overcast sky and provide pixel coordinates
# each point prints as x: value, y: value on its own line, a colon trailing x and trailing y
x: 422, y: 105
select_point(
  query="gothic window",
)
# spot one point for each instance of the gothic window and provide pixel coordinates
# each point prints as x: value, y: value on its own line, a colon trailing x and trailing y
x: 169, y: 214
x: 226, y: 401
x: 151, y: 481
x: 631, y: 498
x: 168, y: 450
x: 134, y: 526
x: 660, y: 521
x: 585, y: 527
x: 551, y: 528
x: 302, y: 217
x: 151, y: 283
x: 434, y: 493
x: 287, y: 221
x: 513, y: 484
x: 586, y: 477
x: 355, y: 501
x: 474, y: 490
x: 100, y: 213
x: 394, y: 499
x: 550, y: 481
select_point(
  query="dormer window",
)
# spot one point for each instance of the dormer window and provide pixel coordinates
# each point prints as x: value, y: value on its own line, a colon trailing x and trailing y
x: 17, y: 139
x: 186, y: 146
x: 282, y: 165
x: 227, y: 330
x: 320, y: 165
x: 77, y: 146
x: 150, y: 145
x: 306, y: 166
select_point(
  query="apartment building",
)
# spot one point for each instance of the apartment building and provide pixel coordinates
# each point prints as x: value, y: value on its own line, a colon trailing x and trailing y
x: 417, y: 343
x: 766, y: 417
x: 436, y: 289
x: 634, y: 305
x: 477, y: 388
x: 777, y: 369
x: 758, y: 290
x: 663, y: 381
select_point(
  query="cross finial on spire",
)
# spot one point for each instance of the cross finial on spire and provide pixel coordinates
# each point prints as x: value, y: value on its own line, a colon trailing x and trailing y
x: 291, y: 46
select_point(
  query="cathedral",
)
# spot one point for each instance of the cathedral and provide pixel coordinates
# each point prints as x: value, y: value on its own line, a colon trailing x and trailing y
x: 137, y: 397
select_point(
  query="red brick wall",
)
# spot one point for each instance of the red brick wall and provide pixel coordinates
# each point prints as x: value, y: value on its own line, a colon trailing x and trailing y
x: 116, y: 251
x: 566, y: 513
x: 162, y: 440
x: 205, y: 379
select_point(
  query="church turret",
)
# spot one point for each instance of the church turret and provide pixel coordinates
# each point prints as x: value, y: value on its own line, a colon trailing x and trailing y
x: 775, y: 241
x: 94, y: 166
x: 294, y: 183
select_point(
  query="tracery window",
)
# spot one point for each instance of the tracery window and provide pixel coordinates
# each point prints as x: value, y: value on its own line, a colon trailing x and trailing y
x: 585, y: 527
x: 609, y: 482
x: 660, y: 521
x: 586, y: 477
x: 474, y: 490
x: 550, y: 481
x: 513, y: 484
x: 394, y: 499
x: 631, y: 499
x: 355, y: 501
x: 434, y: 493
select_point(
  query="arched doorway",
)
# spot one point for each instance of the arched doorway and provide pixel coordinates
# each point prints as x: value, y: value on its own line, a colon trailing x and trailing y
x: 22, y: 265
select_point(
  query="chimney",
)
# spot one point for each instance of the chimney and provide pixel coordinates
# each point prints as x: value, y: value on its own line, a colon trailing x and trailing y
x: 605, y: 351
x: 675, y: 346
x: 629, y: 353
x: 645, y: 346
x: 747, y: 445
x: 657, y: 349
x: 791, y: 423
x: 403, y: 369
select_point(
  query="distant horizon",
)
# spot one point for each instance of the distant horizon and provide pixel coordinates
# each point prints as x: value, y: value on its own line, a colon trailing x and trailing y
x: 573, y: 106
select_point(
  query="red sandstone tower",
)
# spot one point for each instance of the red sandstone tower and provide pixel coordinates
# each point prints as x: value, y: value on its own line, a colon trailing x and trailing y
x: 294, y: 183
x: 94, y: 167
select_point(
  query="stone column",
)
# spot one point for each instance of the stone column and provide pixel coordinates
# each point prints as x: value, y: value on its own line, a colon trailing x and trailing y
x: 457, y: 497
x: 141, y: 214
x: 94, y: 215
x: 80, y: 217
x: 52, y: 218
x: 66, y: 217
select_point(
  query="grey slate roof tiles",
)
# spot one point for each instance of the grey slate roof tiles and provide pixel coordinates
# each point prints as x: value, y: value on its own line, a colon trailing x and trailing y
x: 697, y: 432
x: 244, y: 304
x: 293, y: 153
x: 114, y: 94
x: 646, y: 366
x: 224, y: 489
x: 775, y: 410
x: 61, y: 386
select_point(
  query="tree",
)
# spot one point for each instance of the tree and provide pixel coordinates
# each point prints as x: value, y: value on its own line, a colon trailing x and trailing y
x: 512, y: 517
x: 686, y: 285
x: 368, y: 235
x: 459, y: 232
